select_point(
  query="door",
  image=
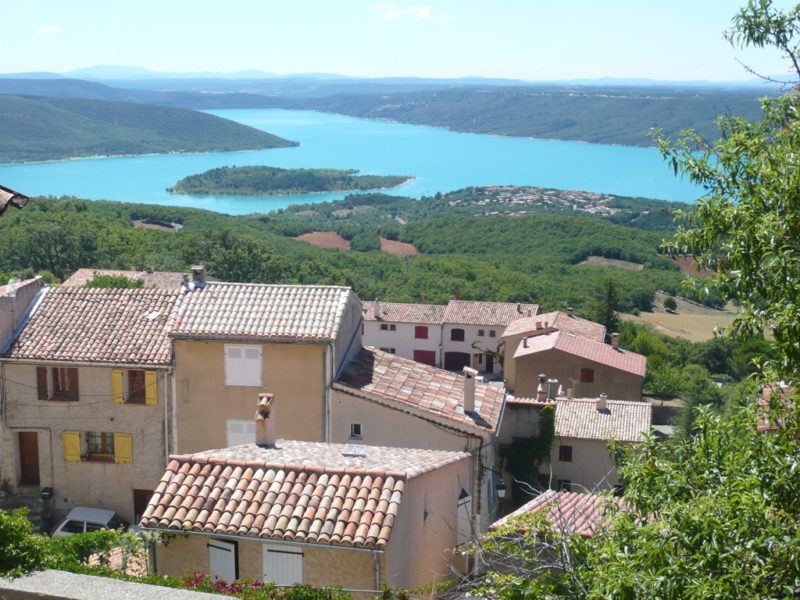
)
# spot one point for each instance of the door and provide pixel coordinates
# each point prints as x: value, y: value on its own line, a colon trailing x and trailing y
x: 140, y: 500
x: 222, y: 560
x: 489, y: 363
x: 283, y: 564
x: 456, y: 361
x: 426, y: 357
x: 28, y: 458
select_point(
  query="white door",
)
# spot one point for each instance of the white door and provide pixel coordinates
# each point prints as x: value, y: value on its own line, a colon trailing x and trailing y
x: 283, y: 564
x: 241, y: 432
x: 222, y: 559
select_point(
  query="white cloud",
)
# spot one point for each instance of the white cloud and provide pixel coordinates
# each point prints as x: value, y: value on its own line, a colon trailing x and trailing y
x: 50, y: 30
x: 393, y: 12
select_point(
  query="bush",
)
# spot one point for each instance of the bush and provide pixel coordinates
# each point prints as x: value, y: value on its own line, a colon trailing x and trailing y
x: 670, y: 305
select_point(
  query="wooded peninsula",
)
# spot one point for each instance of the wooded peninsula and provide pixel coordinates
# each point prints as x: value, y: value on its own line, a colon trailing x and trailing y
x: 272, y: 181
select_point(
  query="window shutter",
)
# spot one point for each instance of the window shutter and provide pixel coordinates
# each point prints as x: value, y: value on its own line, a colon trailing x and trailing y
x: 72, y: 378
x: 150, y: 388
x: 41, y: 382
x: 123, y: 448
x: 116, y: 386
x: 72, y: 446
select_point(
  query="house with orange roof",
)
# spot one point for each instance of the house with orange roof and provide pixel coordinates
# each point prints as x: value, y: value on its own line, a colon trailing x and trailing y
x: 409, y: 330
x: 285, y: 511
x: 572, y: 351
x: 87, y: 381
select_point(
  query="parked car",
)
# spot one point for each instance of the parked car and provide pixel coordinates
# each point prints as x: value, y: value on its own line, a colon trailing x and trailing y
x: 83, y: 518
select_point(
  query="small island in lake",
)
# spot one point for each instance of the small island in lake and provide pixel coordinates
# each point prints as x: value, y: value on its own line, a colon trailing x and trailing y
x: 272, y: 181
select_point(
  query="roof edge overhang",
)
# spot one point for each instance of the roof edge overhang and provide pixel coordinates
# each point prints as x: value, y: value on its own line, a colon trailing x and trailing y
x: 167, y: 366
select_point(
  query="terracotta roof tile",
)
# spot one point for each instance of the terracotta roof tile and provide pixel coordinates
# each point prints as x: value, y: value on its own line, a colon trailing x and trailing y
x: 397, y: 312
x: 245, y: 310
x: 597, y: 352
x: 557, y: 321
x: 98, y: 325
x: 420, y: 389
x: 500, y: 314
x: 568, y: 512
x: 9, y: 197
x: 313, y: 506
x: 621, y: 420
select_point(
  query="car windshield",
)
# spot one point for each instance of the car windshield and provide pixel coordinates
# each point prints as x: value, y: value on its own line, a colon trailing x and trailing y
x: 116, y: 523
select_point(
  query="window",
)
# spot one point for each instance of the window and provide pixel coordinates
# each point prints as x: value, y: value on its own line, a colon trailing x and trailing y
x: 464, y: 530
x: 587, y: 375
x: 565, y: 453
x: 223, y: 560
x: 392, y: 327
x: 456, y: 335
x: 62, y: 383
x: 389, y: 350
x: 243, y: 365
x: 97, y: 446
x: 492, y: 333
x: 241, y: 432
x: 565, y: 485
x: 421, y: 332
x: 481, y: 333
x: 384, y: 327
x: 283, y: 564
x: 355, y: 430
x: 134, y: 386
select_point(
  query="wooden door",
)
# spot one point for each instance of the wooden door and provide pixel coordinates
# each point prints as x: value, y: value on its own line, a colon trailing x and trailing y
x: 28, y: 458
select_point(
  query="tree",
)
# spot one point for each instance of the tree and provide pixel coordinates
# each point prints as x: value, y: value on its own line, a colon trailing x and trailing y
x: 607, y: 307
x: 670, y: 305
x: 746, y: 227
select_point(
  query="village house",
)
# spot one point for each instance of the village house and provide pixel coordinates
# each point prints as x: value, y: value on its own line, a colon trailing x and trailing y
x: 580, y: 459
x: 570, y: 350
x: 384, y: 399
x: 87, y: 383
x: 288, y: 511
x: 234, y: 340
x: 462, y: 333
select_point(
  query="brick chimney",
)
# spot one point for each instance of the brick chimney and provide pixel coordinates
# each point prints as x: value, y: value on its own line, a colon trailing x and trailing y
x: 542, y: 394
x: 199, y: 276
x: 615, y: 341
x: 602, y: 402
x: 469, y: 390
x: 265, y: 421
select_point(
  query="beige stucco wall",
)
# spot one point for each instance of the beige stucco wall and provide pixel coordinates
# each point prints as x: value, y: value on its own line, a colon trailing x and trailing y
x: 295, y: 373
x: 101, y: 484
x: 591, y: 466
x: 618, y: 384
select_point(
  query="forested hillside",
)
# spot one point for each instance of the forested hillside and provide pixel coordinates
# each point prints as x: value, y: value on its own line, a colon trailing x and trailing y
x: 265, y: 181
x: 528, y: 258
x: 39, y: 128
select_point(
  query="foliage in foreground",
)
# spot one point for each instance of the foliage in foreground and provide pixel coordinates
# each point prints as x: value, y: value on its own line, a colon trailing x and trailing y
x: 711, y: 515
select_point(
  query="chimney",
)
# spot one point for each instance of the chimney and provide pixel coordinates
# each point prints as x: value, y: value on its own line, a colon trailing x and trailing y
x: 199, y: 276
x: 542, y: 391
x: 525, y: 342
x: 265, y: 421
x: 570, y: 312
x: 602, y: 402
x: 615, y: 341
x: 538, y: 324
x: 149, y: 270
x: 530, y: 312
x: 569, y: 393
x: 519, y: 308
x: 469, y: 390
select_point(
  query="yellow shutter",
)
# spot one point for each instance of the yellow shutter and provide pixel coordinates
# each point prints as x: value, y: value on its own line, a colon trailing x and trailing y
x: 72, y: 446
x: 116, y: 386
x: 123, y: 448
x: 150, y: 388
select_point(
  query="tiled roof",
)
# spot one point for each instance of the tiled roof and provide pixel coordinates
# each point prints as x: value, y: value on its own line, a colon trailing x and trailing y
x: 621, y: 420
x: 420, y: 389
x: 404, y: 313
x: 568, y: 512
x: 308, y: 492
x: 98, y: 325
x: 557, y: 321
x: 247, y: 310
x: 597, y: 352
x: 9, y: 197
x: 500, y: 314
x: 164, y: 280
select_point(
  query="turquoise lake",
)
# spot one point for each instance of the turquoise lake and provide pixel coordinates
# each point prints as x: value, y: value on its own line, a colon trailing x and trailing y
x: 439, y: 160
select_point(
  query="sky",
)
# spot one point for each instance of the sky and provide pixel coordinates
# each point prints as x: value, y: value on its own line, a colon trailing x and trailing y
x: 521, y: 39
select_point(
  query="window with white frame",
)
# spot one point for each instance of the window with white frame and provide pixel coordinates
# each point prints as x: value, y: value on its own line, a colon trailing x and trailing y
x: 355, y: 430
x: 243, y: 365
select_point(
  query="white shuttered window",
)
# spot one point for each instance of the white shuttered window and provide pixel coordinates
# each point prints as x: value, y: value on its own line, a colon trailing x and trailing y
x: 243, y: 365
x: 283, y: 564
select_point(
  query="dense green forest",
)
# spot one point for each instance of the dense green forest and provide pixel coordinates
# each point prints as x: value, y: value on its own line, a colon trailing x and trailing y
x: 39, y: 128
x: 264, y: 181
x: 527, y: 258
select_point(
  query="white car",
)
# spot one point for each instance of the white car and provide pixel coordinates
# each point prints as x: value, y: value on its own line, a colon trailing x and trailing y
x: 82, y: 519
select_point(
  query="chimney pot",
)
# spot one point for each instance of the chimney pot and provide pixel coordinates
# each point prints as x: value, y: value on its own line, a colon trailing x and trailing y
x: 615, y: 341
x: 530, y: 312
x: 569, y: 393
x: 541, y: 391
x: 519, y: 308
x: 602, y: 402
x: 570, y: 312
x: 525, y: 342
x: 538, y: 324
x: 265, y: 421
x: 469, y: 389
x: 149, y: 270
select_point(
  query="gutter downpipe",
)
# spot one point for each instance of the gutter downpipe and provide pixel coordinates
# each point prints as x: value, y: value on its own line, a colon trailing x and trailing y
x: 166, y: 420
x: 174, y: 449
x: 476, y: 510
